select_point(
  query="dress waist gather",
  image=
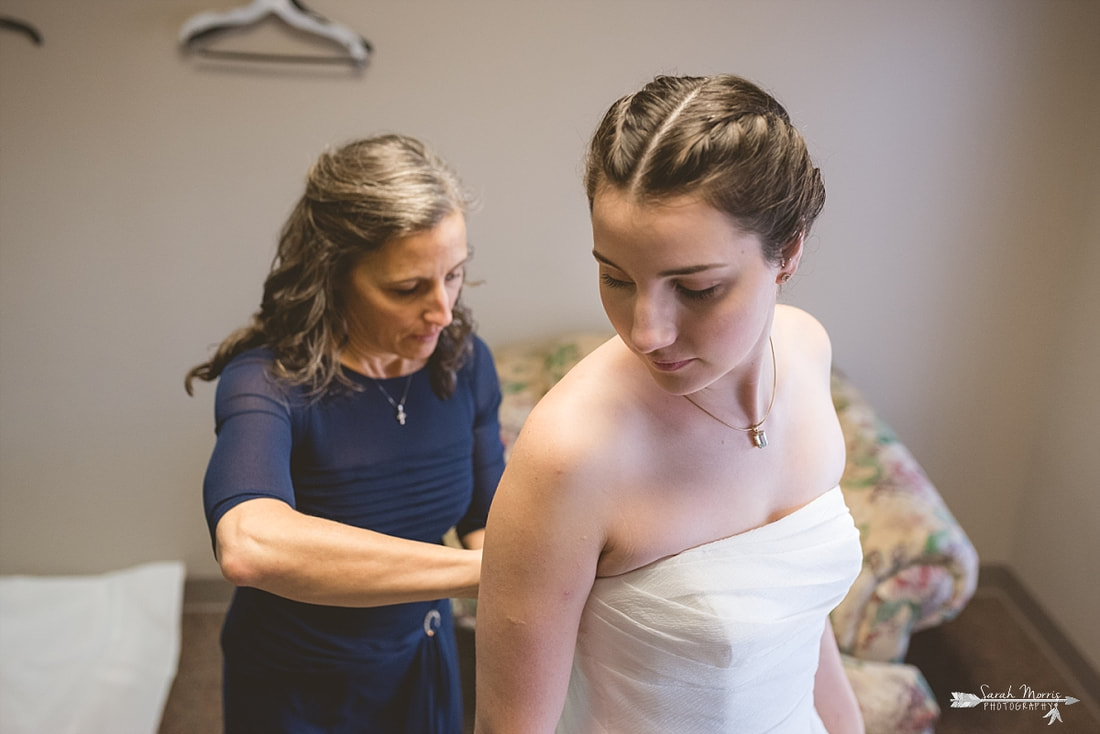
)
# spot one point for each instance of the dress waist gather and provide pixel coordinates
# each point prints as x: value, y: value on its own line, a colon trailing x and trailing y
x: 281, y: 633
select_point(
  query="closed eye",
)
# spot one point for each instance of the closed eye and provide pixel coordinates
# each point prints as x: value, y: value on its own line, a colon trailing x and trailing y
x: 405, y: 291
x: 613, y: 282
x: 415, y: 287
x: 698, y: 295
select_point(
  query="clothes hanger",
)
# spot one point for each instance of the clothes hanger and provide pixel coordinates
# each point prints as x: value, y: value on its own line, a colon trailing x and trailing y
x: 21, y: 26
x: 291, y: 12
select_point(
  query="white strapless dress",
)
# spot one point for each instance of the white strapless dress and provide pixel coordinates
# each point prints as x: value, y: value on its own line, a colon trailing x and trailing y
x: 723, y: 637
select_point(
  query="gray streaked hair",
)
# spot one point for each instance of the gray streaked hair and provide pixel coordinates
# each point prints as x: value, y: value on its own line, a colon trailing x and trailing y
x: 357, y: 198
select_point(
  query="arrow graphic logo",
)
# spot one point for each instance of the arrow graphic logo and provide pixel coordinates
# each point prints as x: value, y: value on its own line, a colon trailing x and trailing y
x: 970, y: 700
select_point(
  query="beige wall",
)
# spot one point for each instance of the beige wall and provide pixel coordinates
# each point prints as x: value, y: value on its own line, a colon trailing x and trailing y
x: 140, y: 194
x: 1057, y: 535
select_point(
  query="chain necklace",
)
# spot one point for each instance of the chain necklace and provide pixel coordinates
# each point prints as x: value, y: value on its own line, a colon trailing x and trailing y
x: 759, y: 438
x: 399, y: 407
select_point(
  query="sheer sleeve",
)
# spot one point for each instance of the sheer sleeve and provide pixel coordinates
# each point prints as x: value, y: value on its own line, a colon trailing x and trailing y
x: 488, y: 459
x: 251, y: 456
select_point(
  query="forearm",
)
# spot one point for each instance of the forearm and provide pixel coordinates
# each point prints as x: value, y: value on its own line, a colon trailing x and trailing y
x: 833, y: 696
x: 268, y: 545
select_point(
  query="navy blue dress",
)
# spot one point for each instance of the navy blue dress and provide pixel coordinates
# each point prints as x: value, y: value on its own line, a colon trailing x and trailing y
x: 297, y: 667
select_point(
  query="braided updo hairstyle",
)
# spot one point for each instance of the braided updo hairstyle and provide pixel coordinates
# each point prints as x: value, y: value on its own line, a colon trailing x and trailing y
x: 357, y: 198
x: 720, y: 138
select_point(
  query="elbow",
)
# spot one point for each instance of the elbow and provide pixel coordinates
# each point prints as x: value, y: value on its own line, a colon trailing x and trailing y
x: 236, y: 567
x: 239, y: 549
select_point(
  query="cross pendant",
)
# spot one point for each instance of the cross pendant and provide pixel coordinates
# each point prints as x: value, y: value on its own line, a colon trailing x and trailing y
x: 401, y: 414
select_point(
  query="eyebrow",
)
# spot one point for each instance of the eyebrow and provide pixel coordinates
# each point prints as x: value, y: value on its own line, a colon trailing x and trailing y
x: 411, y: 278
x: 689, y: 270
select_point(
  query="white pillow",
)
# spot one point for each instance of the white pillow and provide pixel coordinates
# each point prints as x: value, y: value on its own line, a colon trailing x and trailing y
x: 89, y: 654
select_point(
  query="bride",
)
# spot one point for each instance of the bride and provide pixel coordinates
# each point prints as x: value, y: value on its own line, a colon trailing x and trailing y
x: 669, y: 535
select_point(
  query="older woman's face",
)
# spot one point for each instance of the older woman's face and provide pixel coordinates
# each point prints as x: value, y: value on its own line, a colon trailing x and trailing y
x: 400, y: 298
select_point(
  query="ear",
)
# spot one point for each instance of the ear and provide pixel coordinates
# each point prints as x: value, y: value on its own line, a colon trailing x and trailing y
x: 792, y: 256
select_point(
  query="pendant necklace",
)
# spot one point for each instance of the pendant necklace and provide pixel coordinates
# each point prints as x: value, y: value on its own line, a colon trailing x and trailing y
x: 755, y: 431
x: 399, y: 407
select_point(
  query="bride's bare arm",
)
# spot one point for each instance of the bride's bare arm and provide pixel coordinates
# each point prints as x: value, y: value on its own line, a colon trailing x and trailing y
x: 542, y: 544
x: 836, y: 703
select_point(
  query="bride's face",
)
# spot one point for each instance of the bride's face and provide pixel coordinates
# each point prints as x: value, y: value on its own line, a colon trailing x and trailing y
x: 690, y: 293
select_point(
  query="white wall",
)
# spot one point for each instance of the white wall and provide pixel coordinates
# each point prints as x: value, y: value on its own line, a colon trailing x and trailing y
x: 141, y: 192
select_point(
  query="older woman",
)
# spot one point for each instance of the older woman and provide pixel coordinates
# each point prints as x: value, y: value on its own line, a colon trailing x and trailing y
x: 356, y: 421
x: 669, y: 536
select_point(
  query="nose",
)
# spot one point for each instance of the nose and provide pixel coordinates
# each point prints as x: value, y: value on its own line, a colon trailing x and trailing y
x: 438, y: 309
x: 653, y: 326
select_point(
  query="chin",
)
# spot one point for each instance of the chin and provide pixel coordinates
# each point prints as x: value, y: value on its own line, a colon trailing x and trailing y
x: 673, y: 383
x: 683, y: 384
x: 423, y: 350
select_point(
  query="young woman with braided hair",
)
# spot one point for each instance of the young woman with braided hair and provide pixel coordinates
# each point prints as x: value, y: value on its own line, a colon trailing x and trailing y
x: 669, y: 535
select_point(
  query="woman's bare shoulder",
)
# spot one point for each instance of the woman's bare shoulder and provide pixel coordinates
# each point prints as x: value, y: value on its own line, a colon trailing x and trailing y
x: 800, y: 322
x: 569, y: 441
x: 803, y: 334
x: 589, y: 397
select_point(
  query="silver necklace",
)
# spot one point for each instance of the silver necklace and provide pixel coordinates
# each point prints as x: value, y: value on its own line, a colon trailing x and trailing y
x: 755, y: 431
x: 398, y: 407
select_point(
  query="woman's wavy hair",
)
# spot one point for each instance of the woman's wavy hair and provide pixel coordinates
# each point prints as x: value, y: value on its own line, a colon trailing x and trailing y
x: 357, y: 198
x: 721, y: 138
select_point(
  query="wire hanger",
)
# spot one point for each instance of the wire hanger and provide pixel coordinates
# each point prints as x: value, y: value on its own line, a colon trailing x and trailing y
x: 21, y: 26
x: 291, y: 12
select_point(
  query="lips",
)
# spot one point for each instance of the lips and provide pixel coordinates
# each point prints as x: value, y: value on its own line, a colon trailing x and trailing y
x: 669, y: 366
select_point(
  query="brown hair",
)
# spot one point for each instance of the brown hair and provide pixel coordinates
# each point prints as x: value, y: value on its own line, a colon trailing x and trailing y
x: 721, y: 138
x: 357, y: 198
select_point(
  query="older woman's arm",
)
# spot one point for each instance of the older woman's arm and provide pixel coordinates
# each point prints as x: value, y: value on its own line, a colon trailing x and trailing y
x: 266, y: 544
x: 263, y: 541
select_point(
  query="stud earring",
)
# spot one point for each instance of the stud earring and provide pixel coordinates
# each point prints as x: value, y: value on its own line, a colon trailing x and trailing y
x: 784, y: 278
